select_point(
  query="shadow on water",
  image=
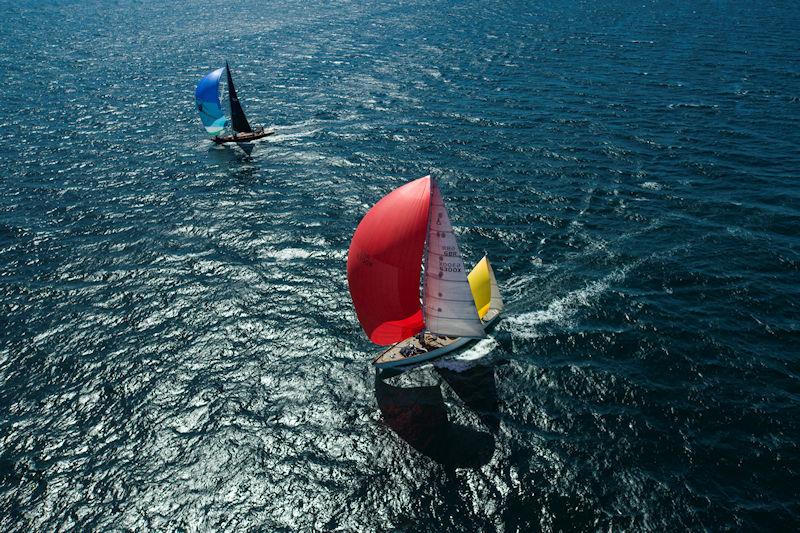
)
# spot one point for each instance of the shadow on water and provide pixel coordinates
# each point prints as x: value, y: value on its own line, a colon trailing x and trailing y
x: 477, y: 389
x: 228, y: 153
x: 418, y: 415
x: 233, y: 157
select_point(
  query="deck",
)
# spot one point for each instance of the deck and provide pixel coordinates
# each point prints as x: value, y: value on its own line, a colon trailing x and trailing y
x: 419, y: 345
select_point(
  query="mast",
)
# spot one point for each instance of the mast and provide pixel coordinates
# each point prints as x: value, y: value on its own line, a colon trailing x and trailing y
x: 238, y: 119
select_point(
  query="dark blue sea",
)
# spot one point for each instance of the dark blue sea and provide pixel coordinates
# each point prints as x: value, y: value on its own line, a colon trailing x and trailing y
x: 178, y: 348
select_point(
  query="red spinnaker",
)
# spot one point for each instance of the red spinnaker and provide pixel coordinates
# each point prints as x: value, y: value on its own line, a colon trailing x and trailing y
x: 385, y: 262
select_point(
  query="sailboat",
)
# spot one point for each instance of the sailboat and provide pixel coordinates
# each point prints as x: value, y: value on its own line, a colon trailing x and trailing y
x: 419, y: 321
x: 206, y: 97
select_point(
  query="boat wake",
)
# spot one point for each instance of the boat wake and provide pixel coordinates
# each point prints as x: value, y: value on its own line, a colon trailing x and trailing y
x: 466, y: 359
x: 562, y: 310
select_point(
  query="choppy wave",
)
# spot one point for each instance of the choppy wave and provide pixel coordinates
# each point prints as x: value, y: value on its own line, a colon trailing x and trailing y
x: 178, y: 348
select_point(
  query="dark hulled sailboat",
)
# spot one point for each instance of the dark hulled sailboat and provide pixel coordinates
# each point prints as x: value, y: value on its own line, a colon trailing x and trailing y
x: 213, y: 117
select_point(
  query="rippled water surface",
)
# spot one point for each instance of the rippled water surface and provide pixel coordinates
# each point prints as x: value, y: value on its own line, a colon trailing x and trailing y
x: 179, y: 350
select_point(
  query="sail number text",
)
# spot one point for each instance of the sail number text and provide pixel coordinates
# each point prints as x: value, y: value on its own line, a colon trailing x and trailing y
x: 450, y: 267
x: 449, y: 251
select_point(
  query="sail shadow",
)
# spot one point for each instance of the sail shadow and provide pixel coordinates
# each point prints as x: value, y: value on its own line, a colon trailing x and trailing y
x: 247, y: 147
x: 231, y: 152
x: 477, y: 388
x: 418, y: 415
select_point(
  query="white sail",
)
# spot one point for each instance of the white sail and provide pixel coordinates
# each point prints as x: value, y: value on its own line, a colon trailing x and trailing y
x: 496, y: 301
x: 448, y: 306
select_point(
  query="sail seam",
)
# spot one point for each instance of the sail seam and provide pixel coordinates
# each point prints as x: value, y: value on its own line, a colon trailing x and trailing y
x: 445, y: 255
x: 450, y: 318
x: 450, y: 299
x: 442, y: 280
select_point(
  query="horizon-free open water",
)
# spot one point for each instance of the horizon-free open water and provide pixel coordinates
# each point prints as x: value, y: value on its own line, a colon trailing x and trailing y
x: 179, y: 351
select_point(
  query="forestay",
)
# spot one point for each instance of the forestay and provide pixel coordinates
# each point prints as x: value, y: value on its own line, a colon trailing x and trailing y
x: 448, y: 306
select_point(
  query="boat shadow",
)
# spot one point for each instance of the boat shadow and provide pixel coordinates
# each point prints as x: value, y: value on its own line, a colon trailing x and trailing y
x: 418, y: 415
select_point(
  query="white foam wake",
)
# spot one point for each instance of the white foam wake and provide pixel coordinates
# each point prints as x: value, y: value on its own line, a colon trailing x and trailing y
x: 466, y: 359
x: 562, y: 309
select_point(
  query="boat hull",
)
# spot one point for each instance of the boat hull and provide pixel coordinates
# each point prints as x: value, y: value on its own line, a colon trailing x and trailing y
x: 243, y: 137
x: 391, y: 358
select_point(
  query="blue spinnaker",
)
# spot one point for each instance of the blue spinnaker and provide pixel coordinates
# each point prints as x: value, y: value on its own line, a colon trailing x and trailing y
x: 206, y: 96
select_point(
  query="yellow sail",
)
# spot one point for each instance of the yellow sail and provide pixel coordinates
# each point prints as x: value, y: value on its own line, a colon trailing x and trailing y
x: 480, y: 282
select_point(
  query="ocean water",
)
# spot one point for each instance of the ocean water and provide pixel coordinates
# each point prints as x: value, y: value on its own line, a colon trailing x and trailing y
x: 178, y: 350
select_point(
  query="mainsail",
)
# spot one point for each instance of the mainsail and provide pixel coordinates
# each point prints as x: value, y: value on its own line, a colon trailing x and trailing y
x: 206, y: 97
x: 238, y: 120
x: 449, y: 308
x: 385, y: 262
